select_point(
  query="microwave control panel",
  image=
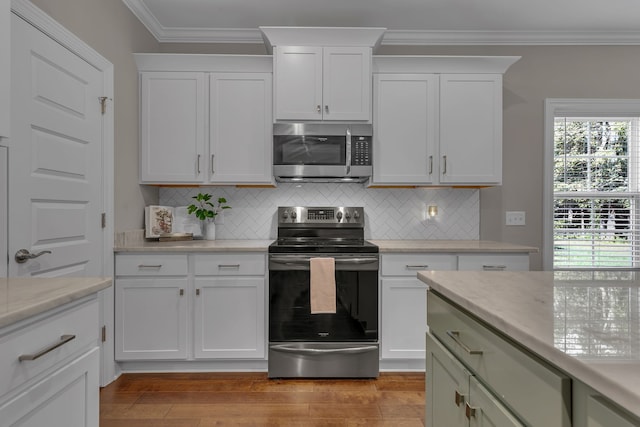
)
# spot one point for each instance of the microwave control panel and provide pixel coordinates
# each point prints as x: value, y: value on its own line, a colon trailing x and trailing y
x: 361, y: 151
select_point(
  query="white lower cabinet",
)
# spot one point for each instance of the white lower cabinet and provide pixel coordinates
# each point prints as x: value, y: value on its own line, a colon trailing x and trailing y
x: 190, y: 306
x: 455, y: 397
x: 49, y: 369
x: 403, y: 296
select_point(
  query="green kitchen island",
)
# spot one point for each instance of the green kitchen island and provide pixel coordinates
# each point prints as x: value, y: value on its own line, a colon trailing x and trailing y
x: 533, y: 348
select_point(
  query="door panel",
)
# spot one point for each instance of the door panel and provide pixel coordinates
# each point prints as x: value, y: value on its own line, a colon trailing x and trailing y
x: 55, y: 199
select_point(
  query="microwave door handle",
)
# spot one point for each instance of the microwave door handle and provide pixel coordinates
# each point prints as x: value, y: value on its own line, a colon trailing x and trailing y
x: 348, y: 152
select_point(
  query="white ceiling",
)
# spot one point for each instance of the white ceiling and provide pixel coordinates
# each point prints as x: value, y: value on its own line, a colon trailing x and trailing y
x: 407, y: 21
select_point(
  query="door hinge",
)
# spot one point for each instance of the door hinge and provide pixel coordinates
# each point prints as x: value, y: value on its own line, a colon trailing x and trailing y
x: 103, y: 219
x: 103, y: 334
x: 103, y: 104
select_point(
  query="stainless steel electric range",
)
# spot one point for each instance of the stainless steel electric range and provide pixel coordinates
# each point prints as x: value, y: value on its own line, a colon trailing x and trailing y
x: 343, y: 343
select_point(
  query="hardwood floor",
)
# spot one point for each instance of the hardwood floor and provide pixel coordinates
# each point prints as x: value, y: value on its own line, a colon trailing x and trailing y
x: 251, y: 399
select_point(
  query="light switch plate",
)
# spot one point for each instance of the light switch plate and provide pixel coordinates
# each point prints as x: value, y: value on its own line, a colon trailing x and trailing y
x: 516, y: 218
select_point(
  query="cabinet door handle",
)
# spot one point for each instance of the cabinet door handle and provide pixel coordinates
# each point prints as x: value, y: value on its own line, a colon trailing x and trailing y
x: 198, y: 165
x: 444, y: 170
x: 455, y: 336
x: 197, y: 292
x: 63, y: 340
x: 234, y: 266
x: 469, y: 411
x: 430, y: 165
x: 181, y: 292
x: 326, y: 109
x: 459, y: 398
x: 417, y: 267
x: 494, y: 267
x: 212, y: 170
x: 149, y: 265
x: 319, y: 109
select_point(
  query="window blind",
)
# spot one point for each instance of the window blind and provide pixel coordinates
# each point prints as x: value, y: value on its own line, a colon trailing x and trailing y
x: 596, y: 216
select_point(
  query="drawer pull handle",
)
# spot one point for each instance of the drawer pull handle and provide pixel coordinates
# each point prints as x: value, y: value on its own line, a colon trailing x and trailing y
x: 455, y: 335
x: 181, y: 292
x: 459, y: 398
x: 417, y: 267
x: 234, y: 266
x: 469, y: 411
x: 63, y: 340
x: 150, y: 266
x: 494, y: 267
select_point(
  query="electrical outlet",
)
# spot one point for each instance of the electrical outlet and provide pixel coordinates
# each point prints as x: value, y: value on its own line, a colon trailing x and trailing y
x: 516, y: 218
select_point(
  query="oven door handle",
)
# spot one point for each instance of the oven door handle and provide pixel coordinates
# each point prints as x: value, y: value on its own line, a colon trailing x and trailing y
x: 306, y: 261
x: 347, y: 350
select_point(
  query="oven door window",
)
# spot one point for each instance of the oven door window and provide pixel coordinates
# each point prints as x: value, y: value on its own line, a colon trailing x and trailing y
x: 356, y: 317
x: 309, y: 150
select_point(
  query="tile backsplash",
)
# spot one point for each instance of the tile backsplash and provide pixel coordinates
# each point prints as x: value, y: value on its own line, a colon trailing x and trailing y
x: 391, y: 213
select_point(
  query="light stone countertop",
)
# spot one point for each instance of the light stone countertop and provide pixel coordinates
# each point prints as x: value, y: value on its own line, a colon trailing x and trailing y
x: 196, y: 246
x: 585, y: 324
x: 21, y: 298
x: 386, y: 246
x: 458, y: 246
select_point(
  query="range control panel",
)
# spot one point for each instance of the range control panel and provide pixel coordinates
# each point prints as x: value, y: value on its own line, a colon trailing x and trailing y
x: 320, y: 215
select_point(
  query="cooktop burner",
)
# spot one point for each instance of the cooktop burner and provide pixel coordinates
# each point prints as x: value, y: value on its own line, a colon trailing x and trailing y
x: 321, y: 230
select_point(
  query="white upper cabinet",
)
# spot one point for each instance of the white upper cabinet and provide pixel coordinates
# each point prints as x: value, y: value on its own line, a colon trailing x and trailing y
x: 5, y: 66
x: 205, y: 119
x: 405, y: 114
x: 471, y: 128
x: 172, y: 122
x: 322, y: 83
x: 438, y: 120
x: 240, y: 136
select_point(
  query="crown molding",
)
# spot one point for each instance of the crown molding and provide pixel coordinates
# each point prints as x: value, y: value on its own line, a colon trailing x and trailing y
x: 391, y: 37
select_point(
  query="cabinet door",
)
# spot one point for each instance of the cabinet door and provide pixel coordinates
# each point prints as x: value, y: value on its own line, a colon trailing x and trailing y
x: 68, y: 397
x: 298, y: 82
x: 151, y: 318
x: 5, y: 66
x: 346, y: 90
x: 240, y: 128
x: 405, y: 110
x: 485, y: 410
x: 404, y: 314
x: 471, y: 128
x: 172, y: 127
x: 447, y: 387
x: 230, y: 318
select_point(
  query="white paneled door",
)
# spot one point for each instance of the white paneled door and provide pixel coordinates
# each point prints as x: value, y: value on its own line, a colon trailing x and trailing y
x: 55, y: 158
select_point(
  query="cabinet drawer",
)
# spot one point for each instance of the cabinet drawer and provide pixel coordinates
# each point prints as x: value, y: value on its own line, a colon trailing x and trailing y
x: 151, y: 265
x: 79, y: 326
x: 494, y: 262
x: 232, y: 264
x: 409, y: 264
x: 522, y: 382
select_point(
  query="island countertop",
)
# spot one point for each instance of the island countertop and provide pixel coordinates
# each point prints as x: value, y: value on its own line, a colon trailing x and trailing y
x: 584, y: 323
x: 21, y: 298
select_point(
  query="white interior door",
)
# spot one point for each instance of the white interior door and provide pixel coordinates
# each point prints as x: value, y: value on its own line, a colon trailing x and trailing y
x: 55, y: 158
x: 3, y: 211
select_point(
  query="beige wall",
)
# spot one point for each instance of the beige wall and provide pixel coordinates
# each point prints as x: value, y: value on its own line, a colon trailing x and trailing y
x: 111, y: 29
x: 543, y: 72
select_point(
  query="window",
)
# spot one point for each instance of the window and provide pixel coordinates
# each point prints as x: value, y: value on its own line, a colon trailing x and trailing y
x: 592, y: 171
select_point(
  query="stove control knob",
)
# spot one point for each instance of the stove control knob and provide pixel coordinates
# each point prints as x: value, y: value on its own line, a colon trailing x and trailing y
x: 356, y: 215
x: 339, y: 216
x: 347, y: 215
x: 294, y: 214
x: 285, y: 214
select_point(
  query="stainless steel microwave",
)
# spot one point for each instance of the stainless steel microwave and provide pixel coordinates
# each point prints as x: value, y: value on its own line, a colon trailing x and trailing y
x: 314, y: 152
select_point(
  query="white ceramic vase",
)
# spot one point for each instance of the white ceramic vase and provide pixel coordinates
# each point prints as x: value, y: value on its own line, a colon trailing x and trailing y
x: 210, y: 230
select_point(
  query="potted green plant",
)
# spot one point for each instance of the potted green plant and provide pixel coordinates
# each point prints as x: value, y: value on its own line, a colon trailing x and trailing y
x: 206, y: 211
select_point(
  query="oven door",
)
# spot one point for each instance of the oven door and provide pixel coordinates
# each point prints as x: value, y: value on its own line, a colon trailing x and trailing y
x: 356, y: 317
